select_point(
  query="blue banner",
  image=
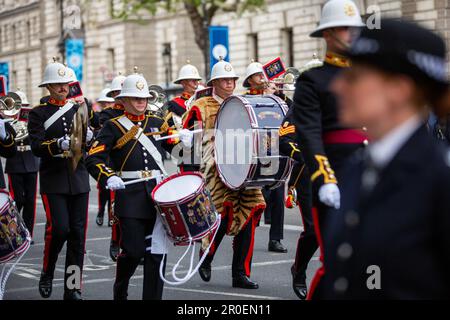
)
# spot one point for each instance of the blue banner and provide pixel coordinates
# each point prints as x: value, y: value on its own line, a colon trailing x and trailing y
x: 4, y: 71
x: 74, y: 56
x: 218, y: 44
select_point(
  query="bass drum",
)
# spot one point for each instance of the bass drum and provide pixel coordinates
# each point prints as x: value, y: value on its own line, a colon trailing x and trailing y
x: 246, y: 142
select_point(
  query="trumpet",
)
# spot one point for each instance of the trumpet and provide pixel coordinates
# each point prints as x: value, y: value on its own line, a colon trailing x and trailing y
x: 286, y: 82
x: 10, y: 106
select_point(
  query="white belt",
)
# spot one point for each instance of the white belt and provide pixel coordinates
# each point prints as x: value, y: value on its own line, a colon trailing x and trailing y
x: 140, y: 174
x: 23, y: 148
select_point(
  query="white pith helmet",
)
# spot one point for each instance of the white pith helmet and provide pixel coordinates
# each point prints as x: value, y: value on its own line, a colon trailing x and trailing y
x: 134, y: 86
x: 338, y: 13
x: 103, y: 97
x: 252, y: 69
x: 222, y: 70
x: 55, y: 72
x: 23, y: 97
x: 188, y: 72
x: 116, y: 84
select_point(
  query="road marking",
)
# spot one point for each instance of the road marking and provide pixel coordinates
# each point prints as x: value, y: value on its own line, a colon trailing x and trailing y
x: 228, y: 267
x: 223, y: 293
x: 90, y: 239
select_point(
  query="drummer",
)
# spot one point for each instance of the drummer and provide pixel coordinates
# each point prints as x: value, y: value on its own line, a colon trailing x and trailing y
x: 256, y: 84
x: 132, y: 159
x: 240, y: 210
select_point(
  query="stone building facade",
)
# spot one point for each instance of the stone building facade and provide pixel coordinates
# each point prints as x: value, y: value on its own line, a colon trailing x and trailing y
x: 30, y: 31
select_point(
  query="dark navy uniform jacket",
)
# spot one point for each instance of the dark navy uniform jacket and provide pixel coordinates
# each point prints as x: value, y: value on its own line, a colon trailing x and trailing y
x: 401, y: 226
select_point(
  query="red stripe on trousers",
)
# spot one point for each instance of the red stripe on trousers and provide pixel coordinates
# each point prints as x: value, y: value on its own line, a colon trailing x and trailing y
x: 85, y: 233
x: 48, y: 231
x: 34, y: 204
x: 11, y: 189
x: 248, y: 259
x: 321, y: 271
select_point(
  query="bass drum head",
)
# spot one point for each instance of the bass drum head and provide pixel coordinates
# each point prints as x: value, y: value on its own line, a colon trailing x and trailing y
x: 177, y: 187
x: 233, y: 143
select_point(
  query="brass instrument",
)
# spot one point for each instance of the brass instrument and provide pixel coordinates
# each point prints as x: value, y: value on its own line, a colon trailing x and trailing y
x: 78, y: 135
x: 157, y: 104
x: 10, y: 106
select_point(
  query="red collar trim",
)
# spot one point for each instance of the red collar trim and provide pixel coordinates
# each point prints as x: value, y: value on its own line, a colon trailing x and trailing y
x: 186, y: 96
x: 255, y: 91
x: 56, y: 102
x: 135, y: 118
x: 118, y: 107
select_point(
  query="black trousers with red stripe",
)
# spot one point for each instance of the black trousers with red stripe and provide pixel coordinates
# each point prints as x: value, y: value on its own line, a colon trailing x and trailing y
x: 243, y: 244
x: 66, y: 222
x: 23, y: 188
x: 133, y: 248
x: 307, y: 243
x: 104, y: 199
x: 115, y: 228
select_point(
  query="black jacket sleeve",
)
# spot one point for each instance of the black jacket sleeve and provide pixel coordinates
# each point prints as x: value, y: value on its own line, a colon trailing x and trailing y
x: 8, y: 146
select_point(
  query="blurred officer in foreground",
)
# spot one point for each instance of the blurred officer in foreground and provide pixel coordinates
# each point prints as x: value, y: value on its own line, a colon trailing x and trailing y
x: 390, y: 238
x: 325, y: 142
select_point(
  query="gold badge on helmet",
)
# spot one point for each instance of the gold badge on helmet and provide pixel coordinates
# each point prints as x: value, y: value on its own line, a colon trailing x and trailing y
x: 140, y: 85
x: 61, y: 72
x: 228, y: 68
x: 349, y: 10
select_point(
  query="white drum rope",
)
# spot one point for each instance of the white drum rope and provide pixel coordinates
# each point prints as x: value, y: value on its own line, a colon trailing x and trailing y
x: 3, y: 277
x: 190, y: 273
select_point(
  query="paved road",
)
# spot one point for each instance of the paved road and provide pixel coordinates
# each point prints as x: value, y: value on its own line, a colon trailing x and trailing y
x: 270, y: 270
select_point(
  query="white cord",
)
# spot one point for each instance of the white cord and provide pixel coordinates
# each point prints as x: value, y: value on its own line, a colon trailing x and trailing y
x: 4, y: 279
x: 190, y: 273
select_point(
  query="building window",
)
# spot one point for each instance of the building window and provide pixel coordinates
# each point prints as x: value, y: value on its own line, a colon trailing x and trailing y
x: 111, y: 61
x: 287, y: 46
x: 28, y: 88
x: 252, y: 40
x: 167, y: 60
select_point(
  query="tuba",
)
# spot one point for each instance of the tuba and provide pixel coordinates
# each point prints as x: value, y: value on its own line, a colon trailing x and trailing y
x: 10, y: 106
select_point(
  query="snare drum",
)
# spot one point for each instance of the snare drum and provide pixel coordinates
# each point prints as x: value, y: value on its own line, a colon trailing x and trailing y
x: 246, y: 142
x: 14, y: 236
x: 186, y: 208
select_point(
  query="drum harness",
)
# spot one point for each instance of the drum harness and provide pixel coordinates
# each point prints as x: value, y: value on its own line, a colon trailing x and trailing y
x: 148, y: 144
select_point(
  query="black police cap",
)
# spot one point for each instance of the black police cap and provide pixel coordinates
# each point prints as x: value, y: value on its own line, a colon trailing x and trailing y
x: 404, y: 47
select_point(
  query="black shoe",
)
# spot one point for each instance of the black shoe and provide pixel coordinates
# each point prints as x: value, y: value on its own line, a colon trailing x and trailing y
x: 99, y: 219
x: 205, y: 271
x: 142, y: 262
x: 72, y: 295
x: 276, y: 246
x: 32, y: 242
x: 45, y: 285
x: 114, y: 250
x: 244, y: 282
x: 299, y: 284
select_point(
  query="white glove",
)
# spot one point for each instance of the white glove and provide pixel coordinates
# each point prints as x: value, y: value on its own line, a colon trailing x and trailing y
x: 186, y: 137
x: 89, y: 135
x: 115, y: 183
x: 329, y: 194
x: 2, y: 129
x: 64, y: 143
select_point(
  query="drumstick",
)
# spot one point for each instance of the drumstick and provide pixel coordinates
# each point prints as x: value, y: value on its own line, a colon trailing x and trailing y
x: 139, y: 180
x: 177, y: 135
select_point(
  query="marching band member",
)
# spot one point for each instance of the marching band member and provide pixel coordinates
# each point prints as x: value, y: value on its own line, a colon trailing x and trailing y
x: 114, y: 111
x: 125, y: 150
x: 299, y: 194
x: 65, y: 193
x: 104, y: 195
x: 326, y: 144
x: 240, y: 210
x: 390, y: 239
x: 8, y: 147
x: 189, y: 78
x: 22, y: 171
x: 256, y: 83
